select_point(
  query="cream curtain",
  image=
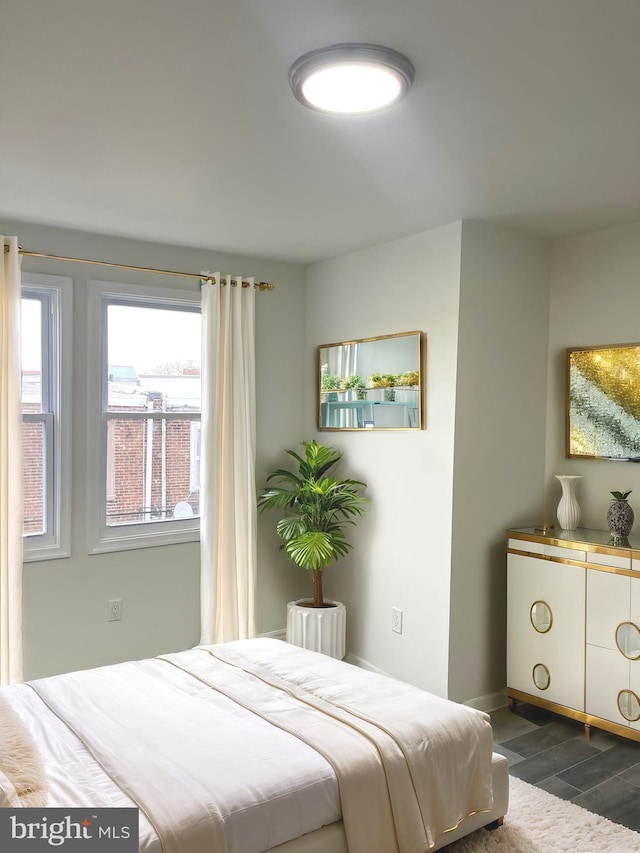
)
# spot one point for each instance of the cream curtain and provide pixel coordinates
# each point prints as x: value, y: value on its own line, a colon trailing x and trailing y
x: 227, y: 461
x: 343, y: 360
x: 10, y: 468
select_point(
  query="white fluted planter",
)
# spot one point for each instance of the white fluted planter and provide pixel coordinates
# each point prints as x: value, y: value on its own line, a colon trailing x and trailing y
x: 319, y: 629
x: 568, y: 509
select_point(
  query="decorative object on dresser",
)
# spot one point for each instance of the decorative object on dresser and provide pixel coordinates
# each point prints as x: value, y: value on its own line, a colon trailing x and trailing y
x: 568, y: 509
x: 313, y: 534
x: 573, y: 626
x: 620, y: 515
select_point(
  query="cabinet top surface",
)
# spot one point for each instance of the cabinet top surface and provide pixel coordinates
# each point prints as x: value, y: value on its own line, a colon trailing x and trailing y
x: 580, y: 536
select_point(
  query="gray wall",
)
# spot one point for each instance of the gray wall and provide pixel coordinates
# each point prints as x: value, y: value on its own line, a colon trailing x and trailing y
x: 402, y: 553
x: 499, y: 439
x: 595, y: 299
x: 65, y: 601
x: 433, y: 542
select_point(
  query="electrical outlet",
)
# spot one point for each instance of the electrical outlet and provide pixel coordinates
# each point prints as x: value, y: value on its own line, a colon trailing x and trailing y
x: 396, y: 620
x: 115, y: 610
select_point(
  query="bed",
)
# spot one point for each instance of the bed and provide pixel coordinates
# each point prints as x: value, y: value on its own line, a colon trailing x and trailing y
x: 255, y: 746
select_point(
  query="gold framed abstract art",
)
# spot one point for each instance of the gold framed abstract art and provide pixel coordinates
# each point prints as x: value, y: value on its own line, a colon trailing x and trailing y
x: 603, y: 402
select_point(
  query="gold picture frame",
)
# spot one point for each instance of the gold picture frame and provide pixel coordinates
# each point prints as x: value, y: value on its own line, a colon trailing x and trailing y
x: 372, y: 383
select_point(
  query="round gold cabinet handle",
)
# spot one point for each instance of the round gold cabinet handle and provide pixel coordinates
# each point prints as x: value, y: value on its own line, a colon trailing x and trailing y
x: 628, y: 640
x: 541, y: 616
x: 541, y: 676
x: 629, y: 705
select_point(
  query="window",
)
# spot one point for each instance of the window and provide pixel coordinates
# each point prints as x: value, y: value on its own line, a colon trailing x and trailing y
x: 146, y: 391
x: 46, y: 380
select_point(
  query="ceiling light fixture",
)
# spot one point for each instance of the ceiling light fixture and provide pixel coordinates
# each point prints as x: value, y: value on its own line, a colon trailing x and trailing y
x: 351, y: 78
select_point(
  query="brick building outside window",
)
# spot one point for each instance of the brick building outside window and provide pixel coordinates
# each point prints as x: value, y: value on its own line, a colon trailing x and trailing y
x: 150, y: 462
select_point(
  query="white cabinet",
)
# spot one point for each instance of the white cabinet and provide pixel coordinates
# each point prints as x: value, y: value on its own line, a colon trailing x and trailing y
x: 545, y: 657
x: 573, y: 626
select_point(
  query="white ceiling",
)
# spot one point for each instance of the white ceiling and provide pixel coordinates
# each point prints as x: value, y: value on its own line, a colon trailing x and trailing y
x: 172, y: 120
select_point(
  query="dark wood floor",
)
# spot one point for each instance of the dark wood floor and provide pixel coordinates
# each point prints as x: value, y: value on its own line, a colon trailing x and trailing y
x: 601, y: 774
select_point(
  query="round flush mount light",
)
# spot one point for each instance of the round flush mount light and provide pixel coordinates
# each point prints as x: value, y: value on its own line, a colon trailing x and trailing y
x: 350, y: 78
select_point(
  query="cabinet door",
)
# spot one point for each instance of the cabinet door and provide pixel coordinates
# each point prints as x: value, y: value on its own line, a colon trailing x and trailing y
x: 524, y: 644
x: 559, y: 646
x: 564, y: 590
x: 608, y: 604
x: 607, y: 675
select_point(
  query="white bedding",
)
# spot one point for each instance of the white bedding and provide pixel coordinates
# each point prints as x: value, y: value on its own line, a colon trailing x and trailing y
x: 267, y: 784
x: 249, y: 764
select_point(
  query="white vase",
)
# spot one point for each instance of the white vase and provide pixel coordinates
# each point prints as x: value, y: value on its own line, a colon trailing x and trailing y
x: 568, y: 509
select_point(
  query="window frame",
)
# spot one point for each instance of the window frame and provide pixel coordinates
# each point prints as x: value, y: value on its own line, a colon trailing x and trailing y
x: 55, y: 295
x: 102, y: 538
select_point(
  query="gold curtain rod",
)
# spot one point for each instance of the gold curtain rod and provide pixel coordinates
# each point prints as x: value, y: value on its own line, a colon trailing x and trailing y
x: 259, y: 285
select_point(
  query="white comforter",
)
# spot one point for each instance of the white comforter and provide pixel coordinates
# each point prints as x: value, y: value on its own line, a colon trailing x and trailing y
x: 217, y: 744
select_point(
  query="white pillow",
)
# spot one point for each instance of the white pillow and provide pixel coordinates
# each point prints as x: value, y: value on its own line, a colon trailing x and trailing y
x: 8, y: 795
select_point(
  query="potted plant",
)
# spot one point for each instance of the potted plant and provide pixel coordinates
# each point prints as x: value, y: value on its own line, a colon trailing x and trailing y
x: 375, y: 381
x: 319, y: 507
x: 409, y: 379
x: 388, y: 383
x: 356, y: 382
x: 331, y: 383
x: 382, y: 380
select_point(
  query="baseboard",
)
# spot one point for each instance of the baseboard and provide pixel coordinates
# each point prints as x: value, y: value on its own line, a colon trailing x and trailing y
x: 488, y: 703
x: 280, y: 634
x: 363, y: 664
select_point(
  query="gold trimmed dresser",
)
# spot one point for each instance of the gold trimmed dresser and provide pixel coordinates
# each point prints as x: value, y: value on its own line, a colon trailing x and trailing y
x: 573, y: 626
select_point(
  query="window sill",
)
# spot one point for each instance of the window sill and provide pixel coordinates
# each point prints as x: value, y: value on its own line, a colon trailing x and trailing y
x: 42, y: 553
x: 136, y: 541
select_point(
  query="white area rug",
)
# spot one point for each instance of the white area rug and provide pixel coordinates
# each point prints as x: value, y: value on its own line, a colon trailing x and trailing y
x: 538, y: 822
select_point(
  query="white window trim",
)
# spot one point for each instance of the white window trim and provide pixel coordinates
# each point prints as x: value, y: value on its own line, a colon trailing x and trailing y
x: 56, y: 544
x: 100, y: 538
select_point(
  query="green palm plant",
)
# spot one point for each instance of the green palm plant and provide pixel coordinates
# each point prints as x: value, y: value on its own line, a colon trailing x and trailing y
x: 319, y: 508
